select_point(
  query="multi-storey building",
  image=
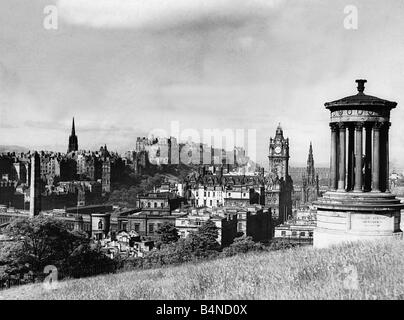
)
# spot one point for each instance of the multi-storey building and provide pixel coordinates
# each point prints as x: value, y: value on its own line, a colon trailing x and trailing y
x: 215, y: 188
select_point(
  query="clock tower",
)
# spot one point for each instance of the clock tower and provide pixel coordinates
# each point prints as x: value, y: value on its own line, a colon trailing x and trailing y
x: 279, y: 185
x: 279, y: 154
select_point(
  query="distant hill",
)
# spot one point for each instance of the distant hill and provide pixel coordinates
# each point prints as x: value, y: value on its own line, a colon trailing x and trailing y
x: 363, y: 270
x: 12, y: 148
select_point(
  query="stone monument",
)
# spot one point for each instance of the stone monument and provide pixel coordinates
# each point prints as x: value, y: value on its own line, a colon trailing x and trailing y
x: 359, y: 205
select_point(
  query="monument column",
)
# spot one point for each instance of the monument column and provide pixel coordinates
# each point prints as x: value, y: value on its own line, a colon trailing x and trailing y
x: 334, y: 162
x: 368, y: 159
x: 358, y: 157
x: 376, y: 157
x: 342, y: 158
x: 351, y: 158
x: 387, y: 156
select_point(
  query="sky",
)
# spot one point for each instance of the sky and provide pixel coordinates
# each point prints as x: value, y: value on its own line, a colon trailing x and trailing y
x: 124, y: 68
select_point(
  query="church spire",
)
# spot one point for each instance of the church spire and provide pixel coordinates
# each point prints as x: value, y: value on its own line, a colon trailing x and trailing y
x: 73, y: 141
x: 311, y: 152
x: 310, y: 166
x: 73, y: 129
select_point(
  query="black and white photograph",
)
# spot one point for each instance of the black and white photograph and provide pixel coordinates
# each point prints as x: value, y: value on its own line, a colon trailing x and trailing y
x: 214, y: 151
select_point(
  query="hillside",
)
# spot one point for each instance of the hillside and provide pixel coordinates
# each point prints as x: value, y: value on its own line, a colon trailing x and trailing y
x: 353, y: 271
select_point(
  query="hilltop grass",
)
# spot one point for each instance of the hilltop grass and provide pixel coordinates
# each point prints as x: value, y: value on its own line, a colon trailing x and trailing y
x: 302, y: 273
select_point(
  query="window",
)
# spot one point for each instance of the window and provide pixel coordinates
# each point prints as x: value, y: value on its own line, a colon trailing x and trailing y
x: 213, y: 194
x: 124, y: 225
x: 302, y: 234
x: 283, y: 233
x: 149, y: 204
x: 243, y: 194
x: 162, y: 205
x: 151, y: 227
x: 210, y: 202
x: 311, y: 234
x: 137, y: 227
x: 204, y: 202
x: 240, y: 226
x: 158, y: 226
x: 196, y: 194
x: 182, y: 222
x: 209, y: 194
x: 229, y: 194
x: 204, y: 193
x: 294, y: 233
x: 155, y: 204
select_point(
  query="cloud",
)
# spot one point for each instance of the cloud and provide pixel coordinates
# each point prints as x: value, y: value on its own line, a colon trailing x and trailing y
x: 159, y: 14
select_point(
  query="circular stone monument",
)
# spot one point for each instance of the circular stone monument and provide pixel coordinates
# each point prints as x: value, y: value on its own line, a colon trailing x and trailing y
x: 359, y: 205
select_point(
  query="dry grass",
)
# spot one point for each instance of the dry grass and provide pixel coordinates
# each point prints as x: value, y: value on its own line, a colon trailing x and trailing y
x: 303, y: 273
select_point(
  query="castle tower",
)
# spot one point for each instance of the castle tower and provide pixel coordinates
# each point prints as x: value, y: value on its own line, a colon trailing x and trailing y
x: 359, y: 205
x: 35, y: 186
x: 73, y: 141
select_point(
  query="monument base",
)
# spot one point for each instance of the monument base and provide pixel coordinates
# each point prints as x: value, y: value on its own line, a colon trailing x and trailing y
x: 350, y: 216
x: 323, y: 238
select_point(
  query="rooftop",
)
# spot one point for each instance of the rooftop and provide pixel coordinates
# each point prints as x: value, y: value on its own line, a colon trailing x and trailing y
x: 360, y: 99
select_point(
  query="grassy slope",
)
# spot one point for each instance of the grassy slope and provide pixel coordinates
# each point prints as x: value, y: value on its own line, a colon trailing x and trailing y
x: 303, y: 273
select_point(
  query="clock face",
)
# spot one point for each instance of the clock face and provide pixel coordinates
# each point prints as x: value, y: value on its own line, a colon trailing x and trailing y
x: 278, y: 149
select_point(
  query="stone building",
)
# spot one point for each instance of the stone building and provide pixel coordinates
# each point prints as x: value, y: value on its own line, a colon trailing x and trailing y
x: 159, y: 203
x: 7, y: 190
x: 295, y: 231
x: 253, y: 221
x: 215, y: 188
x: 144, y: 223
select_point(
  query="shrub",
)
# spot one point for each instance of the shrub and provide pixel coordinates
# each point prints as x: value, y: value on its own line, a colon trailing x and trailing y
x: 242, y: 244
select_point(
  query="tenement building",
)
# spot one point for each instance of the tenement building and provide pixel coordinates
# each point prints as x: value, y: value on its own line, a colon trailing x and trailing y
x: 359, y: 205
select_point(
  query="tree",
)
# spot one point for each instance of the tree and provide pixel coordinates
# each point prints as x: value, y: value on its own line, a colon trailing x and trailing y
x: 168, y: 234
x: 204, y: 242
x: 209, y: 233
x: 41, y: 241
